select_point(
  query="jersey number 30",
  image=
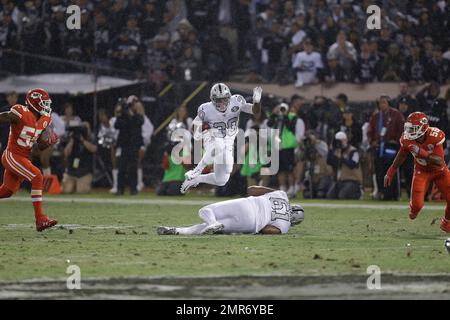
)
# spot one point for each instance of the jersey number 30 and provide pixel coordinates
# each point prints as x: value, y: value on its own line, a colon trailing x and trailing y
x: 28, y: 137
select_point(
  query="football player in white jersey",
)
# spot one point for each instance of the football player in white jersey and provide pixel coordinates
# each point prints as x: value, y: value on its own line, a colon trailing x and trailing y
x: 266, y: 211
x: 217, y: 124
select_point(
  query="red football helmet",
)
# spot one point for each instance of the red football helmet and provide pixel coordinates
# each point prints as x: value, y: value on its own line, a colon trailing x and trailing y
x: 416, y: 125
x: 39, y: 100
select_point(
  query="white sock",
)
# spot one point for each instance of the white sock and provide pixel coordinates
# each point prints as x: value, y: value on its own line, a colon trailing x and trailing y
x: 291, y: 189
x: 47, y: 171
x: 283, y: 188
x: 207, y: 215
x: 140, y: 176
x: 195, y: 229
x: 115, y: 174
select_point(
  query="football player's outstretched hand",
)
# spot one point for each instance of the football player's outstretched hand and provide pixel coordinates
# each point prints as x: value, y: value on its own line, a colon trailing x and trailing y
x: 257, y: 93
x: 389, y: 176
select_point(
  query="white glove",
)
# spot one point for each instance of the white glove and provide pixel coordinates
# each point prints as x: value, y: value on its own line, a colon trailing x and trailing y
x: 257, y: 92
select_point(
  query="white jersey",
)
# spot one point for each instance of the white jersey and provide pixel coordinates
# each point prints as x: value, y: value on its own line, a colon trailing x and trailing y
x: 309, y: 63
x: 224, y: 124
x: 251, y: 214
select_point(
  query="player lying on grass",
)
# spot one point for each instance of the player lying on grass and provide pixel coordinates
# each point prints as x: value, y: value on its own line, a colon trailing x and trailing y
x: 266, y: 211
x: 425, y: 143
x: 217, y: 124
x: 27, y: 126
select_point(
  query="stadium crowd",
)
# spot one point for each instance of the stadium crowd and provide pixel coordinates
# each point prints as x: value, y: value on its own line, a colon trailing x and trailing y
x: 302, y: 41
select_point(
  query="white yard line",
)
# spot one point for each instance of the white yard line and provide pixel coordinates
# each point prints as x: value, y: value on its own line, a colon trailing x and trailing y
x: 187, y: 202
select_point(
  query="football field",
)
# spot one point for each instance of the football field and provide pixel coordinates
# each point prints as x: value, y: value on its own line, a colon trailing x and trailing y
x: 114, y: 243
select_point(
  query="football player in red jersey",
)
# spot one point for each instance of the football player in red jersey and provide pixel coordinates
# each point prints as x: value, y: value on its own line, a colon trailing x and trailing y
x: 426, y: 145
x: 28, y: 122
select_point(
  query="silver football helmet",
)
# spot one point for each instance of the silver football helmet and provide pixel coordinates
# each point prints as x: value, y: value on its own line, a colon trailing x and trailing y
x: 297, y: 214
x: 220, y: 96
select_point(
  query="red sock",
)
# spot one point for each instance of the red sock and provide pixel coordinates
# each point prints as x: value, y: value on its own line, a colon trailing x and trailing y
x: 36, y: 198
x: 5, y: 192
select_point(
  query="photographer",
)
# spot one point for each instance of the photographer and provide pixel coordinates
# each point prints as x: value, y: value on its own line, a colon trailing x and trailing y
x: 78, y: 157
x: 344, y: 158
x: 286, y: 122
x: 129, y: 122
x: 313, y: 166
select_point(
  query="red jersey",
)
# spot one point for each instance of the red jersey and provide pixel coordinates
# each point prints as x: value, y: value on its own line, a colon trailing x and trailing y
x: 434, y: 140
x: 23, y: 136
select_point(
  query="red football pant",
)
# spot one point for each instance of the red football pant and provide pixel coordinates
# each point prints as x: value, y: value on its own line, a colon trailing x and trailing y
x: 18, y: 169
x: 419, y: 187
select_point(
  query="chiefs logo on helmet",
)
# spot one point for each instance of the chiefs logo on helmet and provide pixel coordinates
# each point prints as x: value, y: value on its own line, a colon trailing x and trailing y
x: 40, y: 101
x: 416, y: 125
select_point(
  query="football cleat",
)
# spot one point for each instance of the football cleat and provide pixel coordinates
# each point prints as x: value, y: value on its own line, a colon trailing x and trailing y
x: 45, y: 223
x: 188, y: 184
x: 412, y: 215
x: 213, y: 228
x: 166, y: 231
x: 445, y: 225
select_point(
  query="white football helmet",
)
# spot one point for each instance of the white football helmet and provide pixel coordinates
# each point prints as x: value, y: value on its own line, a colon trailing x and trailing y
x: 220, y: 96
x: 297, y: 214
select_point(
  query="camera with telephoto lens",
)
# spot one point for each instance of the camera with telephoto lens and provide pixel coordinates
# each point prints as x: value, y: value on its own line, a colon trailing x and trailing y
x: 77, y: 132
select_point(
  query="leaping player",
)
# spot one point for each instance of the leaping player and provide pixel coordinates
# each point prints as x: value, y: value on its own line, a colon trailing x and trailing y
x: 266, y: 211
x: 217, y: 124
x: 28, y: 122
x: 426, y: 145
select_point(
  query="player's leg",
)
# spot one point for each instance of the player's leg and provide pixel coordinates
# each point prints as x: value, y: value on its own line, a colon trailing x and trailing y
x: 223, y: 166
x: 419, y: 186
x: 11, y: 181
x: 195, y: 229
x: 23, y: 167
x: 443, y: 184
x: 212, y: 225
x: 206, y: 160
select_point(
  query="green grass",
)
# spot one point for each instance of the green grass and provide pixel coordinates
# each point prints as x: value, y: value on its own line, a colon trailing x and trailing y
x: 328, y: 242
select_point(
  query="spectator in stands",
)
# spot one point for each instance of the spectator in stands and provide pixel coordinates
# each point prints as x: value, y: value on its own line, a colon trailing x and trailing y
x: 344, y: 159
x: 437, y: 68
x: 9, y: 39
x: 151, y: 20
x: 345, y: 53
x: 367, y: 67
x: 124, y: 52
x: 159, y: 61
x: 333, y: 72
x: 78, y: 156
x: 217, y: 64
x: 307, y: 63
x: 384, y: 132
x: 415, y: 67
x: 391, y: 65
x: 273, y: 46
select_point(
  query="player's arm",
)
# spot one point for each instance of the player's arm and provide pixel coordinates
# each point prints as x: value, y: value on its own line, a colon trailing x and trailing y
x: 398, y: 161
x: 269, y: 229
x: 257, y: 94
x: 47, y: 139
x: 197, y: 125
x: 258, y: 190
x: 435, y: 160
x: 9, y: 117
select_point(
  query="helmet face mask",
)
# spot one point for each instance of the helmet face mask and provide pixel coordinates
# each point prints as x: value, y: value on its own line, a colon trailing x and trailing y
x: 220, y: 96
x: 297, y: 214
x: 416, y: 125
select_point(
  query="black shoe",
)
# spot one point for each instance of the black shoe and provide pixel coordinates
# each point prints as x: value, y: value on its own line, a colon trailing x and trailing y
x: 119, y: 193
x: 133, y: 193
